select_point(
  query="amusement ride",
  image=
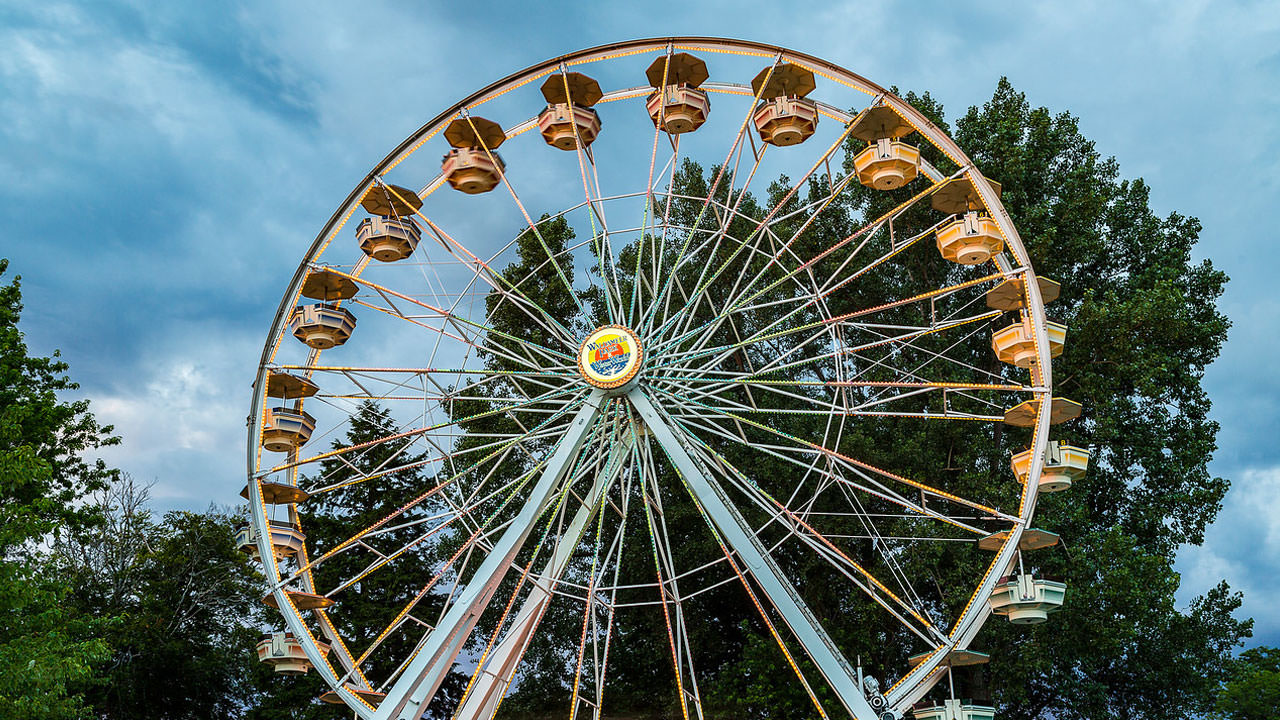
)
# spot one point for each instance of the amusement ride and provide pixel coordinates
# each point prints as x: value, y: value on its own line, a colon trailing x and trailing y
x: 592, y: 370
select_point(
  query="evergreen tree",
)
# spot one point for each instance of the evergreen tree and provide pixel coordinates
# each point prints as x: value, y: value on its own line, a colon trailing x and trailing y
x: 529, y: 280
x: 371, y: 602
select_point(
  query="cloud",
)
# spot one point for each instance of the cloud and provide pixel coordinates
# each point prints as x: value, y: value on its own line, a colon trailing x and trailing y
x: 1243, y: 547
x: 130, y: 173
x: 181, y: 414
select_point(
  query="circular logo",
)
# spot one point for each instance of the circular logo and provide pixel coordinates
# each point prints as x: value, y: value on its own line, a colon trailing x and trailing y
x: 610, y: 357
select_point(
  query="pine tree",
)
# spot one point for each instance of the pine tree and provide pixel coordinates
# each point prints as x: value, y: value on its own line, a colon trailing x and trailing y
x: 375, y: 594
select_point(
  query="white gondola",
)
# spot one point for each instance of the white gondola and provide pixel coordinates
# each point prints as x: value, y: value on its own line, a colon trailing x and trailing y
x: 1063, y: 465
x: 887, y: 164
x: 473, y: 166
x: 786, y: 121
x: 1027, y: 600
x: 1016, y: 343
x: 678, y: 108
x: 564, y: 126
x: 388, y: 239
x: 569, y: 121
x: 286, y: 540
x: 953, y: 710
x: 677, y: 105
x: 970, y: 239
x: 785, y: 116
x: 473, y: 170
x: 282, y: 651
x: 286, y: 429
x: 322, y: 325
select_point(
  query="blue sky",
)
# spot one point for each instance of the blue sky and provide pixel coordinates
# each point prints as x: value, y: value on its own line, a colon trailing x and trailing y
x: 164, y: 165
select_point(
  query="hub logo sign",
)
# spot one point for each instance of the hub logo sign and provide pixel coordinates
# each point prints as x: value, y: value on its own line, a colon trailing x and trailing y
x: 610, y: 357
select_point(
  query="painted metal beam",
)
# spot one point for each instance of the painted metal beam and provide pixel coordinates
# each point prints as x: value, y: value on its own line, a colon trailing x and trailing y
x: 731, y: 525
x: 412, y: 692
x: 494, y: 679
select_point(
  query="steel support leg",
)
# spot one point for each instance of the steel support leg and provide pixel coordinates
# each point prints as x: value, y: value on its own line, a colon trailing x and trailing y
x: 411, y: 694
x: 494, y: 679
x: 731, y: 525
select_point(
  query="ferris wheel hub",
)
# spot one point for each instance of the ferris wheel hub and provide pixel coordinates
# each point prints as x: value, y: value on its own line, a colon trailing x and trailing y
x: 611, y: 357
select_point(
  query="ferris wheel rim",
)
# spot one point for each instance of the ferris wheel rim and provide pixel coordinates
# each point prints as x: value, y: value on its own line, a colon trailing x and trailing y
x: 900, y: 693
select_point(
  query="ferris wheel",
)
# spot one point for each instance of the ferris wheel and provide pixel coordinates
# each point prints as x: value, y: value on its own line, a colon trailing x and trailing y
x: 607, y: 385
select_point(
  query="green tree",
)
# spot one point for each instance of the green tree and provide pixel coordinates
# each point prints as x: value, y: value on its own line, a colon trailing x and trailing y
x: 180, y: 593
x: 47, y: 651
x: 57, y: 433
x: 1252, y: 691
x: 1143, y: 327
x: 539, y: 282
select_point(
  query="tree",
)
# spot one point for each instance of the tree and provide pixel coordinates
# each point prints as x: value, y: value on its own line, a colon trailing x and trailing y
x: 1252, y: 691
x: 57, y: 433
x: 1143, y: 326
x: 182, y: 597
x: 47, y: 652
x: 542, y: 284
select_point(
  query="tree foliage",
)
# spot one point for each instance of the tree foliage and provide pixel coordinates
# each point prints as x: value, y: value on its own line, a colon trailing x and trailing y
x: 1143, y: 326
x: 47, y: 651
x: 1252, y: 690
x: 368, y: 608
x: 37, y: 424
x: 182, y: 598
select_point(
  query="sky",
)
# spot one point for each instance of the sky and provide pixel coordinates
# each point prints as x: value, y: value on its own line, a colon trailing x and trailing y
x: 163, y: 167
